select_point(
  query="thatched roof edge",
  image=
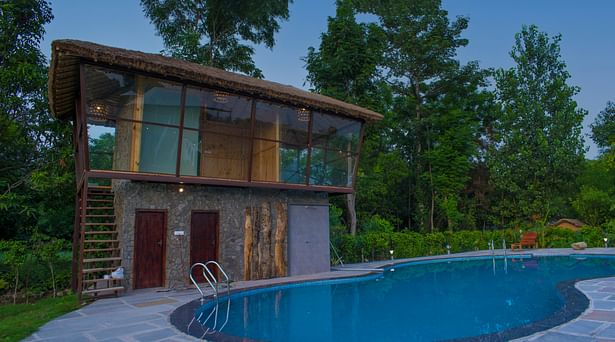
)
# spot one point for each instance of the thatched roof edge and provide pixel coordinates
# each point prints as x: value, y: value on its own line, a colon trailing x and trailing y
x: 64, y: 78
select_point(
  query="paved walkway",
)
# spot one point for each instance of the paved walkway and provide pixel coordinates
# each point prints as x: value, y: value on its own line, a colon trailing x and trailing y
x: 143, y: 315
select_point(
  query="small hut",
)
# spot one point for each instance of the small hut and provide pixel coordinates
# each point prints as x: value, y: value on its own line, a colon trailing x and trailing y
x: 572, y: 224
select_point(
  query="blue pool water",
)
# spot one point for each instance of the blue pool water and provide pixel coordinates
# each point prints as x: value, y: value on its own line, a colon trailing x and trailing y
x: 417, y: 302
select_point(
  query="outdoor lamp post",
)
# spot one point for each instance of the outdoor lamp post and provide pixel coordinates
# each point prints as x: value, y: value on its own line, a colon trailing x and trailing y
x: 448, y: 249
x: 392, y: 251
x: 606, y: 242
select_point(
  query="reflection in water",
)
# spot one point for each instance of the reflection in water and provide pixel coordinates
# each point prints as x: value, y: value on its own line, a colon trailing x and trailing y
x: 210, y: 319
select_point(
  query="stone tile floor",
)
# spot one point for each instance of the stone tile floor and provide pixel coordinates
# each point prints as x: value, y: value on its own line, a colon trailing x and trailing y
x: 143, y: 315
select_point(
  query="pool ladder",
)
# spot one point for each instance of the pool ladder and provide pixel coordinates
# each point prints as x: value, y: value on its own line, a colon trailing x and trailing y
x: 209, y: 276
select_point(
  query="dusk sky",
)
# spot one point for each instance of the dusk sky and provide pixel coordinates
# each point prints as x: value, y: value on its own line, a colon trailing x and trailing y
x: 586, y: 27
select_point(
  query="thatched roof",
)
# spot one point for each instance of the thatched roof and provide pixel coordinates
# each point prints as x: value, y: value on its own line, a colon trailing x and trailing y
x: 64, y: 78
x: 574, y: 222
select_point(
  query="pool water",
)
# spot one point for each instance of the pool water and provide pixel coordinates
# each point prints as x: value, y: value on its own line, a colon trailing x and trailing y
x: 417, y: 302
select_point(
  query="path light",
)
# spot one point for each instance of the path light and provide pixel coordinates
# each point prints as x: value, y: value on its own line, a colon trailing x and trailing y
x: 606, y: 243
x: 448, y: 249
x: 391, y: 252
x: 181, y: 188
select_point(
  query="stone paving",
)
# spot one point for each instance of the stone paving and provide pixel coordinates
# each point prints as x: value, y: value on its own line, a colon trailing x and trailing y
x: 143, y: 315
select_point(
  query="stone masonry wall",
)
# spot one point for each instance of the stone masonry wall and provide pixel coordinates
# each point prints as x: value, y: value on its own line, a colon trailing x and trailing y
x: 229, y: 202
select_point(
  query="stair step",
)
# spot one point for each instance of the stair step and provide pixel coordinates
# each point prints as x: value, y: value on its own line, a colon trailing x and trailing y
x: 93, y: 250
x: 108, y: 289
x: 101, y: 187
x: 99, y: 208
x: 102, y: 259
x: 98, y: 223
x: 91, y: 281
x: 99, y: 269
x: 101, y: 232
x: 105, y: 194
x: 100, y: 241
x: 105, y: 215
x: 99, y: 200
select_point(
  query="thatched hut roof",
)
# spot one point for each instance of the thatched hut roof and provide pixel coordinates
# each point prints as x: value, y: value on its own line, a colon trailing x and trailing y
x: 67, y: 54
x: 574, y: 222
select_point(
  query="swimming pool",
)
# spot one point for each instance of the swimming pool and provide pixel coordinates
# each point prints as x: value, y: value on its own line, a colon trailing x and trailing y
x: 420, y: 301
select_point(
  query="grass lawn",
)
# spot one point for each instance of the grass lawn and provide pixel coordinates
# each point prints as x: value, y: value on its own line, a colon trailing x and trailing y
x: 19, y: 321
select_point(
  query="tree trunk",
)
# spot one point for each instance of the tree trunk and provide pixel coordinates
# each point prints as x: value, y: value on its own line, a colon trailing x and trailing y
x: 16, y: 284
x: 53, y: 279
x: 351, y: 213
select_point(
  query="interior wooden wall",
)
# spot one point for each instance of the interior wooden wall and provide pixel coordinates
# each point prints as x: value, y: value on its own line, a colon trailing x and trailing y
x: 266, y: 159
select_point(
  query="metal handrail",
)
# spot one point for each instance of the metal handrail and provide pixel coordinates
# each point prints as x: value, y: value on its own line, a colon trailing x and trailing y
x: 209, y: 276
x: 211, y: 284
x: 227, y: 280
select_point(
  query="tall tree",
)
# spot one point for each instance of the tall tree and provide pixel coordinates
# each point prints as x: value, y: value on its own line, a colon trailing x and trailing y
x: 345, y: 67
x: 539, y: 147
x: 431, y: 89
x: 215, y: 32
x: 35, y: 154
x: 603, y: 129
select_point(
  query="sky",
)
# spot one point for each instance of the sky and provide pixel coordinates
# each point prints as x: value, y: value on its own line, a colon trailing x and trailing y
x: 586, y: 27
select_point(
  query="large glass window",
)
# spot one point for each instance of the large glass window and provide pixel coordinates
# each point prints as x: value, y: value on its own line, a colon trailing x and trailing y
x: 135, y: 125
x: 109, y: 97
x: 216, y: 138
x: 280, y: 143
x: 335, y: 141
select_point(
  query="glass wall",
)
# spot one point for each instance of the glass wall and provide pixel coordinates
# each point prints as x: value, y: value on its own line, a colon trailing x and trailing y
x: 135, y: 124
x: 216, y: 138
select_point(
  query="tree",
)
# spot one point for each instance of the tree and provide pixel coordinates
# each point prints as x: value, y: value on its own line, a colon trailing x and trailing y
x: 603, y: 134
x: 215, y: 32
x: 345, y: 67
x: 434, y: 98
x: 594, y: 205
x: 36, y: 175
x: 603, y: 129
x: 538, y: 146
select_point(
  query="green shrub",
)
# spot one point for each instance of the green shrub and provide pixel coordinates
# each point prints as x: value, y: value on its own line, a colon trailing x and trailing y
x: 378, y: 237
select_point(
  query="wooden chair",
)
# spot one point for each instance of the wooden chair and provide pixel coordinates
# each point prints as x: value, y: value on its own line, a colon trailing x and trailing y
x: 527, y: 240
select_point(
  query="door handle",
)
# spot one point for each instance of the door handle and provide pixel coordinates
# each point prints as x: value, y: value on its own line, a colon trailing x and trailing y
x: 159, y: 242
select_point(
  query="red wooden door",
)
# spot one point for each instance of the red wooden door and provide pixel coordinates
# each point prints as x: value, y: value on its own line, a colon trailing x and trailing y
x: 203, y: 240
x: 149, y: 253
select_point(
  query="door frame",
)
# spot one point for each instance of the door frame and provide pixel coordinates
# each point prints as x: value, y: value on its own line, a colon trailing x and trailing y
x: 217, y: 231
x: 164, y: 244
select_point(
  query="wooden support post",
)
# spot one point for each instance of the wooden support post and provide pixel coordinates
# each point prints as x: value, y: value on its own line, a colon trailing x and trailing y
x: 281, y: 234
x: 264, y: 247
x: 247, y: 245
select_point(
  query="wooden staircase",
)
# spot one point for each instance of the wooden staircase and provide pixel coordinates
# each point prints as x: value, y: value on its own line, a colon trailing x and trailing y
x: 99, y: 244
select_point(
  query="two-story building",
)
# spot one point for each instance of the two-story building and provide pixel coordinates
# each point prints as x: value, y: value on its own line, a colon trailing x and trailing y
x: 178, y: 163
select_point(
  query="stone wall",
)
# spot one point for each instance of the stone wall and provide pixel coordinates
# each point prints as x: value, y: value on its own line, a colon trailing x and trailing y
x: 230, y: 202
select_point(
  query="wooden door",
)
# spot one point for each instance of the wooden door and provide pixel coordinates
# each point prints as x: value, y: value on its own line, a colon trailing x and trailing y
x: 203, y: 239
x: 150, y: 248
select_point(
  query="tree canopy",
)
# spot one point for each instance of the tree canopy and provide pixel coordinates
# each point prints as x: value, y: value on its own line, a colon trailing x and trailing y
x: 215, y: 32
